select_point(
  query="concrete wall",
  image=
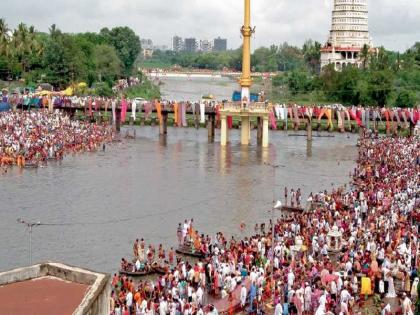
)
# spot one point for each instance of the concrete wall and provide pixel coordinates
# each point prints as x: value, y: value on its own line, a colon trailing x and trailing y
x: 96, y: 300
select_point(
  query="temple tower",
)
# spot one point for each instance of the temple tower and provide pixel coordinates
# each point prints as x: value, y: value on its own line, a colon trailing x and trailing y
x: 349, y: 34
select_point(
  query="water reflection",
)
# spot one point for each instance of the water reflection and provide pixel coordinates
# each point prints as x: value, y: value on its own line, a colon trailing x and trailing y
x: 309, y: 149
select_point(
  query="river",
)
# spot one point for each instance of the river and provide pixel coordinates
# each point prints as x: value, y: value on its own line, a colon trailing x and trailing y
x: 181, y: 89
x: 96, y: 204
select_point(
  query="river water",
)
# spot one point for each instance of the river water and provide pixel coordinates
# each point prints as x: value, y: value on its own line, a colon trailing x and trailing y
x: 98, y: 203
x: 181, y: 89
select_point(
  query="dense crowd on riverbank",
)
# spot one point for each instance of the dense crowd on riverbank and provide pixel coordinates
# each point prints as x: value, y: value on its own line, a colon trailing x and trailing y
x: 32, y: 137
x: 326, y: 261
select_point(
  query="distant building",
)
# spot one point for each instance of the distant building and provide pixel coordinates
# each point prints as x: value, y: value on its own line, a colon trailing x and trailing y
x: 190, y: 45
x: 206, y: 46
x: 177, y: 44
x: 44, y: 287
x: 160, y: 47
x: 146, y: 43
x: 220, y: 44
x: 147, y: 53
x: 349, y: 34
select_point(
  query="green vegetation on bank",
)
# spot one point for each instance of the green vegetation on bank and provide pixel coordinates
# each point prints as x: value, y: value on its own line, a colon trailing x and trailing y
x: 146, y: 90
x: 386, y: 78
x: 58, y: 58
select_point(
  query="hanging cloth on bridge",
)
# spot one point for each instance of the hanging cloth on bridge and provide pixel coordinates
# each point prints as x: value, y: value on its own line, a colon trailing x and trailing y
x: 123, y: 109
x: 230, y: 122
x: 184, y: 114
x: 217, y: 113
x: 202, y: 113
x: 340, y: 116
x: 321, y: 114
x: 329, y: 114
x: 404, y: 118
x: 159, y: 111
x: 367, y: 118
x: 193, y: 110
x: 133, y: 109
x: 397, y: 116
x: 89, y: 106
x: 147, y: 110
x: 353, y: 116
x: 272, y: 118
x: 363, y: 116
x: 285, y: 113
x: 180, y: 114
x: 388, y: 118
x: 296, y: 119
x: 309, y: 111
x: 290, y: 113
x: 176, y: 108
x: 114, y: 115
x: 279, y: 112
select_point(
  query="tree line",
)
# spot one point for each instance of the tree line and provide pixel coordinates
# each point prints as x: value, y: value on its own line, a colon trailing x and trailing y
x: 385, y: 78
x: 60, y: 58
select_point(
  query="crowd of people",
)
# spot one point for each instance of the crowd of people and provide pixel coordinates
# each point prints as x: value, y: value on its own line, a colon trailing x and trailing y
x: 356, y: 243
x: 33, y: 137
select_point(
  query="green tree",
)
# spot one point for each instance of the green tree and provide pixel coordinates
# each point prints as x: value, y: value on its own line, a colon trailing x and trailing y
x: 380, y: 86
x: 126, y: 43
x: 312, y: 55
x: 406, y: 98
x: 107, y: 63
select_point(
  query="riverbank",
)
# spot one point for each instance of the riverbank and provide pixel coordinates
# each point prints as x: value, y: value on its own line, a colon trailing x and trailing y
x: 318, y: 261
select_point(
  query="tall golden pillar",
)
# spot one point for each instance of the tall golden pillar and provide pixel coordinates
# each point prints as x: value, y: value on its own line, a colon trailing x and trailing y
x: 247, y: 32
x: 245, y: 110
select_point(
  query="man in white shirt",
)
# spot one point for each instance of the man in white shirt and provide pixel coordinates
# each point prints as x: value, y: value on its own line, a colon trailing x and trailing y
x: 278, y: 310
x: 243, y: 296
x: 163, y: 307
x: 129, y: 299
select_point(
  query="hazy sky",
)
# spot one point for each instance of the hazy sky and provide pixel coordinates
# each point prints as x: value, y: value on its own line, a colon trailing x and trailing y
x: 394, y: 24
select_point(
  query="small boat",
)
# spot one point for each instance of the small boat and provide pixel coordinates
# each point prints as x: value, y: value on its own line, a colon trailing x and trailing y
x: 31, y: 165
x: 186, y: 250
x: 159, y: 269
x: 136, y: 273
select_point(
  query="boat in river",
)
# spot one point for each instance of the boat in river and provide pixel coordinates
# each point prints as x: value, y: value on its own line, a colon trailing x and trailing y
x: 31, y: 165
x: 141, y: 273
x: 161, y: 269
x: 189, y: 251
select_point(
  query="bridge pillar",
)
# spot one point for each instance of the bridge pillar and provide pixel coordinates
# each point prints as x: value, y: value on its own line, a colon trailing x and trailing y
x: 259, y: 130
x: 211, y: 126
x: 118, y: 120
x: 196, y: 116
x: 309, y: 130
x: 388, y: 131
x: 412, y: 128
x: 223, y: 131
x: 163, y: 124
x: 245, y: 130
x: 265, y: 132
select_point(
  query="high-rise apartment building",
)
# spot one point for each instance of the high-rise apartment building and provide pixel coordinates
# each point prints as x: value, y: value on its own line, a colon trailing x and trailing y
x: 190, y: 45
x: 177, y: 44
x: 206, y: 46
x: 220, y: 44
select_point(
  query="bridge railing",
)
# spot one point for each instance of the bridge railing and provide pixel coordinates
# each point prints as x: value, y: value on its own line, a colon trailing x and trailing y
x: 256, y: 107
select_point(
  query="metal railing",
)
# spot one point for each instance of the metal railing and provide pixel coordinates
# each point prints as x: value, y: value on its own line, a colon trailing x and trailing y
x: 254, y: 107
